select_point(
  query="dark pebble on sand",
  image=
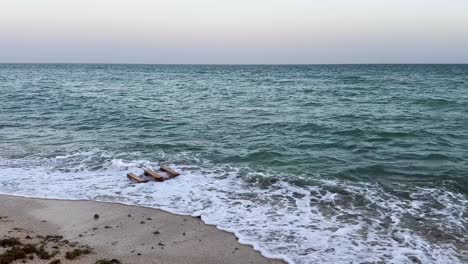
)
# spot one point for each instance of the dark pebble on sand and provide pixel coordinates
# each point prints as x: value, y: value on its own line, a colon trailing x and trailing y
x: 156, y: 232
x: 96, y: 217
x: 415, y: 259
x: 142, y: 222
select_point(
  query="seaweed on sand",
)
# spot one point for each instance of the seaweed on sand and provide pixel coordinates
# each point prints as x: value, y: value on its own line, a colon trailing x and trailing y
x: 76, y: 253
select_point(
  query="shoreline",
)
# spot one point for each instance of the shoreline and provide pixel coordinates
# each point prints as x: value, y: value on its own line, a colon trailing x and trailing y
x: 128, y: 233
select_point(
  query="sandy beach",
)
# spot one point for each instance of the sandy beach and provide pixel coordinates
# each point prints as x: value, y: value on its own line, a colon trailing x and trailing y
x: 93, y: 232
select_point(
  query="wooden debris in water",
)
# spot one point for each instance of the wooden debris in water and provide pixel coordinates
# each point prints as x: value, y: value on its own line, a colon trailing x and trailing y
x: 138, y: 179
x: 170, y: 171
x: 158, y: 176
x: 152, y: 173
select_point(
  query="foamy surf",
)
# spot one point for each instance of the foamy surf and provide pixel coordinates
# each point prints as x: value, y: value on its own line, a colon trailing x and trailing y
x: 318, y: 222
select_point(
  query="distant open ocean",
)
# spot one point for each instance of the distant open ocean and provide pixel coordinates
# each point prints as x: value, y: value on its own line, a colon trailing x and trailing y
x: 311, y: 164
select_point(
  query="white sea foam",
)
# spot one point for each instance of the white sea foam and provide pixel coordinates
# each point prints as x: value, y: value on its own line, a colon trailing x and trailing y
x: 326, y: 222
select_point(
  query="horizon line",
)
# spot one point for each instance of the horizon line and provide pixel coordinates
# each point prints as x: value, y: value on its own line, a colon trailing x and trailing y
x: 241, y: 64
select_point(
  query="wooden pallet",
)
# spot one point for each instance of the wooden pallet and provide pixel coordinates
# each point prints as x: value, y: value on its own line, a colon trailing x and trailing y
x: 154, y: 174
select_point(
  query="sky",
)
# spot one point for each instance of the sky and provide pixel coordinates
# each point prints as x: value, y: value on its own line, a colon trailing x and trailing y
x: 234, y: 31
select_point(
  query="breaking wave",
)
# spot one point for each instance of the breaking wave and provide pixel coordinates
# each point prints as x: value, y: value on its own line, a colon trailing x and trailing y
x: 298, y: 219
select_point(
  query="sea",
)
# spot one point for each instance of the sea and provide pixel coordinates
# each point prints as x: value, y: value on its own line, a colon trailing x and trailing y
x: 306, y: 163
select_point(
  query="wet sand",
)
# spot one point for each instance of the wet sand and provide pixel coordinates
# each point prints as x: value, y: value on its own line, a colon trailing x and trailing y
x: 129, y: 234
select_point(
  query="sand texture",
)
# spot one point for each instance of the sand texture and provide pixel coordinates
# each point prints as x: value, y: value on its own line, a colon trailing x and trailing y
x: 128, y: 234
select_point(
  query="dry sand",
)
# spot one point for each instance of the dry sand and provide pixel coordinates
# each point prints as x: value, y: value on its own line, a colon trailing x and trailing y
x: 129, y: 234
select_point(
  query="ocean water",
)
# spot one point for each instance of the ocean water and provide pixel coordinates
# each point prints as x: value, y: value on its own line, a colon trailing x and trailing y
x: 311, y: 164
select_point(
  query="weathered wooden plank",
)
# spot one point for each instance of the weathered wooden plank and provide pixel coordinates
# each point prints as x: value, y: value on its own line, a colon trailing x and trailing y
x: 170, y: 171
x: 152, y: 173
x: 138, y: 179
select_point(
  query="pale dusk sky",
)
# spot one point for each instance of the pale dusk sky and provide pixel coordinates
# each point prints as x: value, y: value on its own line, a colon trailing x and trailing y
x: 236, y: 31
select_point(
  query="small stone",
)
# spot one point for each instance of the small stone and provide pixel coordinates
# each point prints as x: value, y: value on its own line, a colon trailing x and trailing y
x: 96, y: 217
x: 415, y: 259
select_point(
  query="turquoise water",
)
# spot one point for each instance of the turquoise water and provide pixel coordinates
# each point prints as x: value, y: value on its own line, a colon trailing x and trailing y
x: 284, y: 156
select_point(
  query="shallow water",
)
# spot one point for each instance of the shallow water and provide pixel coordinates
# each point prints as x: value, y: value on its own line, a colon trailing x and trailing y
x: 313, y: 164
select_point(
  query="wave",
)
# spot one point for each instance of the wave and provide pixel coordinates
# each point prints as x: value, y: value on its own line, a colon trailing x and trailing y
x: 299, y: 219
x: 441, y: 103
